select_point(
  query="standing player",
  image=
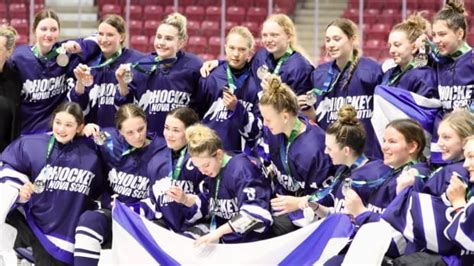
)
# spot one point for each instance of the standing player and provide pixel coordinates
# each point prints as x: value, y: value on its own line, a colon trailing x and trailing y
x: 231, y: 93
x: 349, y: 79
x: 45, y: 71
x: 294, y: 149
x: 237, y: 199
x: 67, y: 175
x: 173, y: 172
x: 10, y: 88
x: 165, y: 79
x: 127, y: 151
x: 281, y: 56
x: 97, y: 98
x: 411, y: 71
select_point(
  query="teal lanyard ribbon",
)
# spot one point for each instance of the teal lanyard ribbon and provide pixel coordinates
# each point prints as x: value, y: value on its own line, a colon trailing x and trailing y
x: 175, y: 172
x: 322, y: 193
x: 282, y: 60
x: 155, y: 63
x: 395, y: 76
x: 51, y: 54
x: 234, y: 84
x: 330, y: 81
x: 379, y: 181
x: 225, y: 160
x: 51, y: 142
x: 434, y: 51
x: 291, y: 139
x: 108, y: 61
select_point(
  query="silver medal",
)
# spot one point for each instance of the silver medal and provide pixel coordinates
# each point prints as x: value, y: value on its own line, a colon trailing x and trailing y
x: 308, y: 214
x: 262, y: 71
x: 165, y: 184
x: 87, y: 79
x: 62, y: 59
x: 100, y: 138
x: 421, y: 59
x: 310, y: 98
x: 40, y: 182
x: 346, y: 185
x: 128, y: 75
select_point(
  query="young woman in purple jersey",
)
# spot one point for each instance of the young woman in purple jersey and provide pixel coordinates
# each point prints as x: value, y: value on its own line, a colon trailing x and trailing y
x: 294, y: 151
x: 404, y: 166
x: 349, y: 79
x: 460, y: 229
x: 97, y: 97
x: 62, y: 166
x: 173, y: 174
x: 236, y: 198
x: 231, y: 94
x: 10, y: 88
x: 452, y: 59
x: 454, y: 128
x: 411, y: 71
x: 127, y: 150
x: 164, y: 79
x: 45, y: 71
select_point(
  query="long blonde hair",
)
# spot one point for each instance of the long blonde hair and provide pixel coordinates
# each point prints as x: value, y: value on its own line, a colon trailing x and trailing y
x: 288, y: 27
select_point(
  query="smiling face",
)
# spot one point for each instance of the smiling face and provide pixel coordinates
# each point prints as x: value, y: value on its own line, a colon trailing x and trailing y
x: 469, y: 158
x: 167, y: 42
x: 446, y: 39
x: 174, y: 133
x: 396, y: 151
x: 109, y: 39
x: 449, y: 142
x: 400, y: 48
x: 65, y: 127
x: 47, y: 34
x: 274, y: 38
x: 338, y: 44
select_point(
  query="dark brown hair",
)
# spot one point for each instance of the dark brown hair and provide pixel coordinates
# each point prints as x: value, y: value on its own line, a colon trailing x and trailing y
x: 348, y: 130
x: 186, y: 115
x: 127, y: 111
x: 454, y: 15
x: 412, y: 132
x: 45, y: 13
x: 71, y: 108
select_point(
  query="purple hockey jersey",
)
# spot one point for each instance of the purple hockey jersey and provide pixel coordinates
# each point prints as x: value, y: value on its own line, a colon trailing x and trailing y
x: 164, y: 89
x: 75, y: 180
x: 234, y: 127
x: 359, y: 93
x: 97, y: 102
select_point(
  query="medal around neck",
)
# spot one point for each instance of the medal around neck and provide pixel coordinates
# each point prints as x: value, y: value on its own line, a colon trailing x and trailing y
x: 346, y: 185
x: 62, y: 59
x: 40, y: 181
x: 421, y: 59
x: 262, y: 71
x: 88, y: 79
x: 100, y: 138
x: 310, y: 98
x: 308, y: 214
x: 128, y: 76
